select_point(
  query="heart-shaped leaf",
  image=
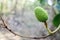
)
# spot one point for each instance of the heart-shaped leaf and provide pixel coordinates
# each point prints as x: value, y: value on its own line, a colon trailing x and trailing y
x: 56, y: 20
x: 41, y: 14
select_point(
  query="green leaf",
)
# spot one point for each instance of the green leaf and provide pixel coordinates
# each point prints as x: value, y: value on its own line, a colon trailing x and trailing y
x: 56, y: 20
x: 41, y: 14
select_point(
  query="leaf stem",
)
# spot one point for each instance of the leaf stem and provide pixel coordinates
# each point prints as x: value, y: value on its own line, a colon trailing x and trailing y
x: 56, y: 29
x: 49, y: 31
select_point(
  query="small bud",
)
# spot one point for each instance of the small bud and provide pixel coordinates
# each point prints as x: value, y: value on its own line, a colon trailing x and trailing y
x: 41, y: 14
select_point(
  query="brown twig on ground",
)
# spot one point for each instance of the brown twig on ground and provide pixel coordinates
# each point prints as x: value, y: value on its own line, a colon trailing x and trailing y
x: 43, y: 37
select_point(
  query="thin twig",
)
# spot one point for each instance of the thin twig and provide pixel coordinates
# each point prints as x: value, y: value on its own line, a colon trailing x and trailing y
x: 43, y: 37
x: 49, y: 31
x: 46, y: 26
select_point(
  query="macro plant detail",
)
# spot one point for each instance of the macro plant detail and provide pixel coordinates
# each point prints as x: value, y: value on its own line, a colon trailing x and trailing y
x: 41, y: 15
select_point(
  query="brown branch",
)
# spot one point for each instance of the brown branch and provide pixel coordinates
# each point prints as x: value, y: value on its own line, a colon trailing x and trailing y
x: 43, y: 37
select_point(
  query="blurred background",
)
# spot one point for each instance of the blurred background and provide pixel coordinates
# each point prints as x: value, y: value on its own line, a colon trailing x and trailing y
x: 20, y: 18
